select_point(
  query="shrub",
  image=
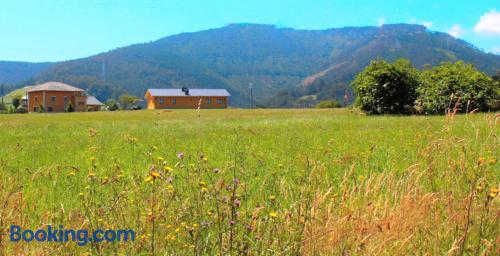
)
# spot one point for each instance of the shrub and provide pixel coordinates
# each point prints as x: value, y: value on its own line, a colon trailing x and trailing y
x: 455, y: 84
x: 70, y: 108
x: 383, y: 87
x: 21, y: 110
x: 328, y: 104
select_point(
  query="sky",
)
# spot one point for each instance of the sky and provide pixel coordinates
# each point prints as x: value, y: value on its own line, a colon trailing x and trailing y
x: 57, y: 30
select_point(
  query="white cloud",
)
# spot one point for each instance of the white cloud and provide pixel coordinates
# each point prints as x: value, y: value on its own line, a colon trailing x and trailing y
x: 489, y: 23
x: 381, y: 21
x: 427, y: 24
x: 456, y: 30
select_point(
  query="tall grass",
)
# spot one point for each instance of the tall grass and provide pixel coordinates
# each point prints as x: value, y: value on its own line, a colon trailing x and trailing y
x: 254, y: 182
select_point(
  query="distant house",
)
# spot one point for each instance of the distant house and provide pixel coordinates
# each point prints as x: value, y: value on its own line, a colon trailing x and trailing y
x: 55, y: 97
x: 186, y: 98
x: 93, y: 104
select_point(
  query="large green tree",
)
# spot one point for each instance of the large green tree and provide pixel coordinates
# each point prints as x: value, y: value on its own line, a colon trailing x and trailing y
x: 455, y: 84
x: 385, y: 88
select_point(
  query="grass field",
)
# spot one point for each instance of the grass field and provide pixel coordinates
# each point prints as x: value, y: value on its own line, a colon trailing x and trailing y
x: 254, y: 182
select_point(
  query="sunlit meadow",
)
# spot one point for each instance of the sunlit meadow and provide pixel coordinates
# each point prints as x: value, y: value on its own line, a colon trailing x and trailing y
x: 254, y: 182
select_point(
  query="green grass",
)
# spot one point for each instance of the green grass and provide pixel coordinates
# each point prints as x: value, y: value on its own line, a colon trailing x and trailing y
x: 296, y: 156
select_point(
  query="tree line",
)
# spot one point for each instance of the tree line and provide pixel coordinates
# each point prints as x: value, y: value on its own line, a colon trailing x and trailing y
x: 400, y: 88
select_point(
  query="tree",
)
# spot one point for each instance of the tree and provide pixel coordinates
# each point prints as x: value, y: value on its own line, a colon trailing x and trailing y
x: 383, y: 87
x: 112, y: 105
x: 455, y: 84
x: 16, y: 102
x: 127, y: 100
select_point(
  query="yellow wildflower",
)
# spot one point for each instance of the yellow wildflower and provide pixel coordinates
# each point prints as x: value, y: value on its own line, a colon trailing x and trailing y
x: 161, y: 159
x: 204, y: 189
x: 272, y: 198
x: 168, y: 168
x: 273, y: 214
x: 493, y: 192
x: 81, y: 194
x: 170, y: 188
x: 202, y: 184
x: 155, y: 175
x: 91, y: 175
x: 148, y: 179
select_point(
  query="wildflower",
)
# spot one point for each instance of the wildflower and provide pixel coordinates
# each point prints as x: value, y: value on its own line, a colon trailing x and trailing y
x: 204, y: 190
x: 232, y: 222
x: 202, y: 184
x: 155, y: 148
x: 148, y: 179
x: 273, y: 214
x: 159, y: 158
x: 236, y: 181
x: 195, y: 226
x: 92, y: 159
x: 479, y: 188
x: 72, y: 174
x: 361, y: 178
x: 155, y: 175
x: 280, y: 166
x: 170, y: 188
x: 272, y: 198
x: 481, y: 160
x: 237, y: 202
x: 105, y: 180
x: 81, y: 194
x: 493, y: 192
x: 180, y: 155
x: 210, y: 212
x: 91, y: 175
x: 168, y: 168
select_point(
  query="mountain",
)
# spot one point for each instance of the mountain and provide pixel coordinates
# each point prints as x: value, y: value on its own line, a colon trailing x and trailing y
x: 12, y: 72
x: 277, y: 61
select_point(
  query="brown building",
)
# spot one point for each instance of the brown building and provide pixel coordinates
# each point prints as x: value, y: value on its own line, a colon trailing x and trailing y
x: 93, y: 104
x: 186, y: 98
x: 56, y: 97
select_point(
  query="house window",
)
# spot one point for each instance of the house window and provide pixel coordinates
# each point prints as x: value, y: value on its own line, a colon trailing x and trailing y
x: 81, y: 103
x: 65, y: 99
x: 36, y: 99
x: 35, y: 109
x: 161, y: 101
x: 174, y: 101
x: 50, y: 109
x: 209, y: 101
x: 220, y: 101
x: 53, y: 98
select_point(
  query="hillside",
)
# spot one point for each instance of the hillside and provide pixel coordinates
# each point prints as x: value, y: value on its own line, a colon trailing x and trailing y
x: 12, y: 72
x: 273, y: 59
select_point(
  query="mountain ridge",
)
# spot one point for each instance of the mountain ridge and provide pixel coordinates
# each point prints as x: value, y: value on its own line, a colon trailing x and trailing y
x: 272, y: 59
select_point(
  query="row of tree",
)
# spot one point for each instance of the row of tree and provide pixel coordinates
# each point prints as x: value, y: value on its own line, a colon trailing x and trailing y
x: 400, y: 88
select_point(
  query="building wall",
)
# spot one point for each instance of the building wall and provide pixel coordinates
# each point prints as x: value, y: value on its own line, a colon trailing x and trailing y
x: 94, y: 108
x: 58, y: 103
x: 186, y: 102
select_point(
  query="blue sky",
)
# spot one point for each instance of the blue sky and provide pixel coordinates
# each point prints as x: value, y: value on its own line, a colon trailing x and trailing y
x: 43, y: 30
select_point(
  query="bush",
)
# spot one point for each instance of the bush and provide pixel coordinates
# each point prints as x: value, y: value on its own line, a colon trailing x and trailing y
x: 328, y: 104
x: 70, y: 108
x: 455, y: 84
x: 112, y: 105
x: 21, y: 110
x: 386, y: 88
